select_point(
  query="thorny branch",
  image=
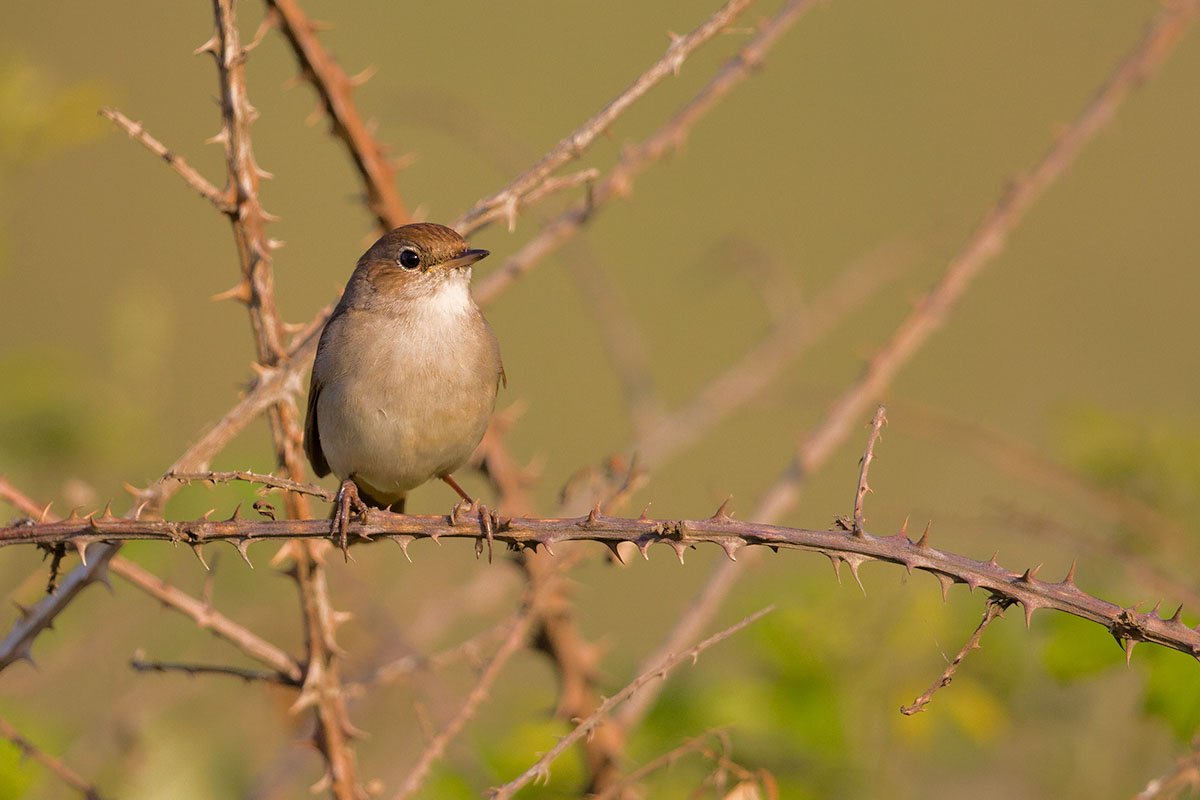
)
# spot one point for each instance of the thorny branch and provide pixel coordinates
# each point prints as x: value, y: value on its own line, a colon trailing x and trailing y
x: 55, y: 765
x: 322, y: 687
x: 505, y: 203
x: 841, y: 545
x: 983, y: 244
x: 619, y: 181
x: 139, y: 663
x: 335, y: 89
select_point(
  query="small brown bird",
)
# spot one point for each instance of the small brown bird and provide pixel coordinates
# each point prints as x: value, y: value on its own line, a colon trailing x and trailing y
x: 406, y: 372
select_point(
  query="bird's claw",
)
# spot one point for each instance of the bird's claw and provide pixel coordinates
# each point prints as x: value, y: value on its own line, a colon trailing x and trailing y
x: 487, y: 523
x: 347, y: 500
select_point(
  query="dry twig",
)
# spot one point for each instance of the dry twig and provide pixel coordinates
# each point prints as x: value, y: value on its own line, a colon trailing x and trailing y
x: 55, y: 765
x: 504, y: 203
x: 541, y: 769
x: 994, y: 608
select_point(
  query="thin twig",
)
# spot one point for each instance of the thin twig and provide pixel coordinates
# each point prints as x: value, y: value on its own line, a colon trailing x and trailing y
x: 254, y: 477
x: 994, y: 608
x: 860, y: 494
x: 541, y: 768
x: 504, y: 203
x: 208, y: 618
x: 335, y: 88
x: 193, y: 178
x: 142, y: 665
x: 696, y: 744
x: 517, y: 633
x: 55, y: 765
x: 619, y: 181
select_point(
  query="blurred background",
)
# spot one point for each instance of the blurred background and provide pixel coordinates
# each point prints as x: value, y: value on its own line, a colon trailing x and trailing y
x: 1053, y: 417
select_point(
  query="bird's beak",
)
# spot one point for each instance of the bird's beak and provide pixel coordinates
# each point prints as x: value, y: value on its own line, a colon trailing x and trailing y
x: 466, y: 258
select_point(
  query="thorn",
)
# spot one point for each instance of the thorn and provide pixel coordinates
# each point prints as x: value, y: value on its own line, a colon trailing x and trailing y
x: 642, y: 545
x: 208, y: 47
x: 107, y: 515
x: 678, y: 547
x: 242, y: 545
x: 364, y: 76
x: 207, y: 514
x: 404, y: 541
x: 81, y: 545
x: 1029, y: 575
x: 592, y: 516
x: 1129, y: 645
x: 546, y: 544
x: 237, y: 514
x: 643, y: 517
x: 1176, y: 618
x: 74, y: 515
x: 613, y: 546
x: 1029, y: 609
x: 854, y: 563
x: 991, y: 562
x: 722, y: 514
x: 198, y: 549
x: 241, y: 292
x: 946, y: 581
x: 836, y: 561
x: 1070, y: 579
x: 730, y: 546
x: 923, y: 542
x: 1154, y: 610
x: 45, y: 512
x: 904, y: 527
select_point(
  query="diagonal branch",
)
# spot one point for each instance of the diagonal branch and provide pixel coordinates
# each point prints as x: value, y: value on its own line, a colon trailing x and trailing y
x: 181, y: 167
x: 987, y: 240
x: 335, y: 89
x: 619, y: 181
x: 995, y: 608
x: 504, y: 203
x: 55, y: 765
x: 541, y: 769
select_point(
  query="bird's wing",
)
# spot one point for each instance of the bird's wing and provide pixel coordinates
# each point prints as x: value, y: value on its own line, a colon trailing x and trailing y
x: 312, y: 439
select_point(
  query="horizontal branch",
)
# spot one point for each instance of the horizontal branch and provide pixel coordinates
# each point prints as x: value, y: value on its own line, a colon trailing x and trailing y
x: 1128, y: 625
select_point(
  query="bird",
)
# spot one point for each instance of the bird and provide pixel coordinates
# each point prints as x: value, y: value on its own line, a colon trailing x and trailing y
x: 406, y: 373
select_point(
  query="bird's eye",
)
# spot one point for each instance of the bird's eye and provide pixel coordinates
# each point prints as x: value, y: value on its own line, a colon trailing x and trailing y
x: 409, y: 259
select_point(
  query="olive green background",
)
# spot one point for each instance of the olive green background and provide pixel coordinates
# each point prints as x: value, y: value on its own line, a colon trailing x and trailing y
x: 871, y: 125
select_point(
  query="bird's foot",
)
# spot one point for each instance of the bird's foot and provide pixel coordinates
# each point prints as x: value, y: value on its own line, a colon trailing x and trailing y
x: 487, y: 524
x: 347, y: 501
